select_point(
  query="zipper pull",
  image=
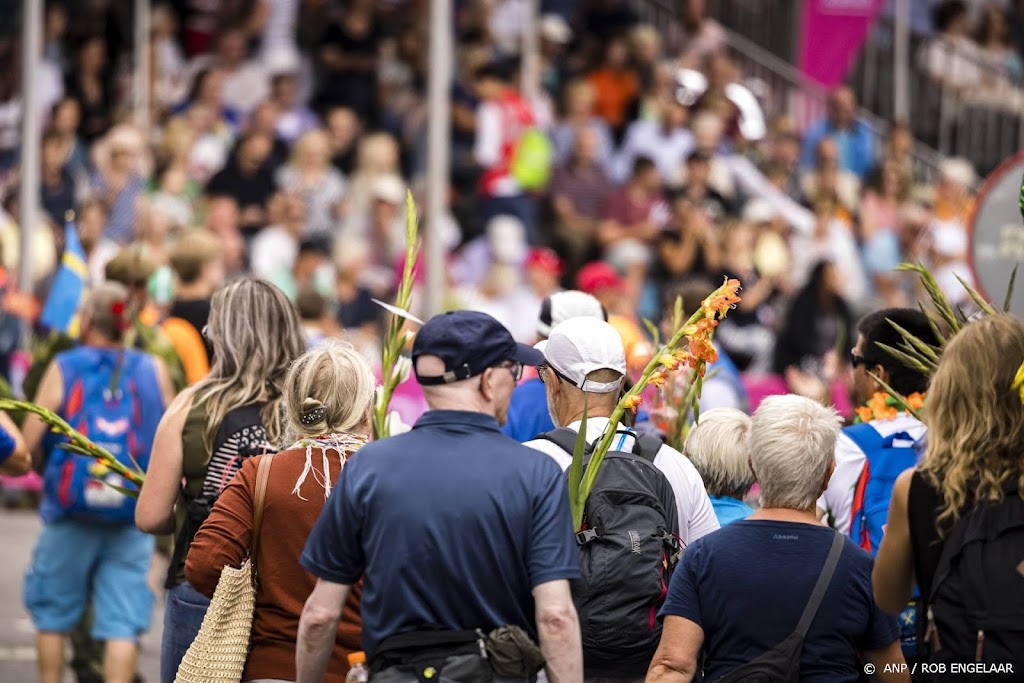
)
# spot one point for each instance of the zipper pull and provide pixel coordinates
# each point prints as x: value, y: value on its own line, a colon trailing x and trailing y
x: 981, y: 645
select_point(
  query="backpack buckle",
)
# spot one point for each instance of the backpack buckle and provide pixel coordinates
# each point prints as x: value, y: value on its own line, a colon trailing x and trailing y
x: 587, y: 535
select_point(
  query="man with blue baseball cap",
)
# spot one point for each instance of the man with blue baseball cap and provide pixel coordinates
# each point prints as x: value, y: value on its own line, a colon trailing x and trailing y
x: 454, y: 527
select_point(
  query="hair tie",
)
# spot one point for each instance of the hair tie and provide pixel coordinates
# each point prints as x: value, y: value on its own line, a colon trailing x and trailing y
x: 313, y: 416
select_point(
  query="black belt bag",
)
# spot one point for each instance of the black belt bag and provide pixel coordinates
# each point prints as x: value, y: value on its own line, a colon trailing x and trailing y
x: 439, y: 656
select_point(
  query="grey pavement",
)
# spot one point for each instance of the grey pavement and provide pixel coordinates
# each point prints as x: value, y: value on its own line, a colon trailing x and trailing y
x: 19, y: 529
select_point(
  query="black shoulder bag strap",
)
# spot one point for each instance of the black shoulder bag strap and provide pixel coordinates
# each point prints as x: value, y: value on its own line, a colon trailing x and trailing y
x: 824, y: 579
x: 564, y: 438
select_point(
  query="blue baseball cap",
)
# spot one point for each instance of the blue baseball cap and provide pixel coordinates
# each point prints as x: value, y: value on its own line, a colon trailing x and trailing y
x: 468, y: 342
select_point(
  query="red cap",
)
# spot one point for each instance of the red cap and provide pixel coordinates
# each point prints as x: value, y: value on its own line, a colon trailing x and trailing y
x: 545, y: 259
x: 597, y: 276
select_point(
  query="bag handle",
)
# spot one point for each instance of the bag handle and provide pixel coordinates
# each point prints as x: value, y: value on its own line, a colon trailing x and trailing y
x: 824, y: 579
x: 262, y: 477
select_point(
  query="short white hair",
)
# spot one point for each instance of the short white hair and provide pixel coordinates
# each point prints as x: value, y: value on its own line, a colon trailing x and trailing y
x: 792, y: 444
x: 718, y: 447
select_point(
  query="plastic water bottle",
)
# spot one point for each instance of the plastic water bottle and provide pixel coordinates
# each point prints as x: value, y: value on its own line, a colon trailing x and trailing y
x: 357, y: 672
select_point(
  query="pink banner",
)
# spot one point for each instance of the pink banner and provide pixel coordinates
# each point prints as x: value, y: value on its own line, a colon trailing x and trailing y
x: 832, y: 34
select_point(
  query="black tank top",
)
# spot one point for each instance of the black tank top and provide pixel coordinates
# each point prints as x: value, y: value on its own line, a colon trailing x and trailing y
x: 923, y: 505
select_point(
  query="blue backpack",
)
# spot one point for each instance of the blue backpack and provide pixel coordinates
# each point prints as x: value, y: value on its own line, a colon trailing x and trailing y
x: 113, y: 397
x: 871, y: 497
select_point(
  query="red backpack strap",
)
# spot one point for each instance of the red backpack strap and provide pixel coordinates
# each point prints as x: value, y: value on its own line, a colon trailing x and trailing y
x: 858, y: 506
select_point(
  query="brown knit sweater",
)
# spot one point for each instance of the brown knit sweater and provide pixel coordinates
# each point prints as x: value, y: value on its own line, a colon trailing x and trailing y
x: 224, y: 538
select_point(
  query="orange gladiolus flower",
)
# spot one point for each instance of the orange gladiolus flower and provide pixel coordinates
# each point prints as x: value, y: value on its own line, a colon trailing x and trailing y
x: 723, y: 300
x: 670, y: 362
x: 701, y: 349
x: 632, y: 402
x: 657, y: 378
x: 864, y: 413
x: 915, y: 401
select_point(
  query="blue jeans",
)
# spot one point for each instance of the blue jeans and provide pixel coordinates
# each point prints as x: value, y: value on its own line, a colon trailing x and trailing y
x: 183, y: 615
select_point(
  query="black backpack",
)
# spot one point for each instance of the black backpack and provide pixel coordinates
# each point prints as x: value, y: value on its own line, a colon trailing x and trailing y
x: 781, y: 664
x: 629, y: 547
x: 976, y: 606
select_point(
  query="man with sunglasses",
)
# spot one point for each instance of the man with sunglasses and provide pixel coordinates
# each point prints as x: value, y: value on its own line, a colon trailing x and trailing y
x: 453, y: 525
x: 871, y: 454
x: 870, y: 364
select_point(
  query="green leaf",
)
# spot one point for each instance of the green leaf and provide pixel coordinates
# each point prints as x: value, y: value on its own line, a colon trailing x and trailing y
x: 938, y: 299
x: 653, y: 330
x: 921, y: 347
x: 939, y: 339
x: 911, y: 362
x: 1013, y: 278
x: 576, y: 501
x: 976, y: 295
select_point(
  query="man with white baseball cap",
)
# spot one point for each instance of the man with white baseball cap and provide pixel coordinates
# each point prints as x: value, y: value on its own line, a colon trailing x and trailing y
x: 528, y: 414
x: 584, y: 369
x: 585, y: 361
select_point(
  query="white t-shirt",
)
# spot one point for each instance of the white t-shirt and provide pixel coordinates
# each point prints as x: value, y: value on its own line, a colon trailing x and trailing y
x: 696, y: 516
x: 837, y: 500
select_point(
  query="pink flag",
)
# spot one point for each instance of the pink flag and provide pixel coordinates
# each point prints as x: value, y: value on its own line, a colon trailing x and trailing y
x: 833, y: 33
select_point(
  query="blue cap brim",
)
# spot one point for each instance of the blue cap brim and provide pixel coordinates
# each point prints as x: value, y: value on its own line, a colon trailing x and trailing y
x: 527, y: 355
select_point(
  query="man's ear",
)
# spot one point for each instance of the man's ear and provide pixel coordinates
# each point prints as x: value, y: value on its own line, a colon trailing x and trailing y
x: 486, y: 377
x: 879, y: 372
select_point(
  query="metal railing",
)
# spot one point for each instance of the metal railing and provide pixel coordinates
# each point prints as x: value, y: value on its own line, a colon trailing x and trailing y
x: 788, y: 89
x: 959, y: 103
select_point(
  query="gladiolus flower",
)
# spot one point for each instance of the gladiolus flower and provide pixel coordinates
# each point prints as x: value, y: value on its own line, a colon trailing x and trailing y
x: 701, y: 349
x: 657, y: 378
x: 670, y: 362
x: 632, y: 402
x: 722, y: 300
x: 402, y: 369
x: 915, y: 401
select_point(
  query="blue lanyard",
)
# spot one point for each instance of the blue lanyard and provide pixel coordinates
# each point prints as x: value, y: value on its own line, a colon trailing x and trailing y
x: 622, y: 439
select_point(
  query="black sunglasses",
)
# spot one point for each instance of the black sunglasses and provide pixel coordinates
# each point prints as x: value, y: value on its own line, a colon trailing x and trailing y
x: 857, y: 360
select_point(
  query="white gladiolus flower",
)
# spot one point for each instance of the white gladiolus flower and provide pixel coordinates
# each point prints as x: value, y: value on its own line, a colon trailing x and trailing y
x: 402, y: 369
x: 393, y: 424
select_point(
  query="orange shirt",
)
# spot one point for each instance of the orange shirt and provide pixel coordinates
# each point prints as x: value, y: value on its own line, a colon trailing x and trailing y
x: 284, y: 585
x: 615, y: 90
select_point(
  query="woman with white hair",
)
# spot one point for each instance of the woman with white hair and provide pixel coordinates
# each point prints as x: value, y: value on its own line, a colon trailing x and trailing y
x: 717, y: 447
x: 779, y: 581
x: 328, y: 399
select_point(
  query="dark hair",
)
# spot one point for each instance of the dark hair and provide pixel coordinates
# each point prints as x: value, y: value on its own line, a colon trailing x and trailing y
x: 946, y: 13
x: 875, y: 329
x: 496, y: 71
x: 311, y: 304
x: 643, y: 164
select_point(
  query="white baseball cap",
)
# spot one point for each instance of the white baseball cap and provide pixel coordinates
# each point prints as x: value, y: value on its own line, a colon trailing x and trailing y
x: 562, y: 306
x: 579, y: 346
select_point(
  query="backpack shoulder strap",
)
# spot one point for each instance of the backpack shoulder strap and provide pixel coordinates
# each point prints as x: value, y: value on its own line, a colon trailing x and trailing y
x: 865, y: 437
x: 564, y: 438
x: 824, y: 579
x: 647, y: 446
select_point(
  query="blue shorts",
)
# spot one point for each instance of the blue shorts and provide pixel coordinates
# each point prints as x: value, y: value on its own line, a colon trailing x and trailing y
x: 75, y: 562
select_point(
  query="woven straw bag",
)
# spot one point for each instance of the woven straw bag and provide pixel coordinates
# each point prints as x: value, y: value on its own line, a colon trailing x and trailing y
x: 219, y: 652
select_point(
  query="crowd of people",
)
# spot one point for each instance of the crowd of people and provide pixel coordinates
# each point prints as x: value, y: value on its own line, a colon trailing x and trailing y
x: 230, y: 254
x: 286, y: 133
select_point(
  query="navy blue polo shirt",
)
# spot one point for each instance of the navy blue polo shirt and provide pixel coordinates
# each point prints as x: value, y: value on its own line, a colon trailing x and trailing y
x: 451, y: 524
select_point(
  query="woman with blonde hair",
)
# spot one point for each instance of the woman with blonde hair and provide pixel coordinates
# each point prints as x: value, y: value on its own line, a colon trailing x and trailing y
x: 328, y: 399
x: 955, y: 523
x: 310, y: 174
x: 208, y: 432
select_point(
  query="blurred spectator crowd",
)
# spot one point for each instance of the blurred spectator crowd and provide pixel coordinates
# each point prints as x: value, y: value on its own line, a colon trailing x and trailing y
x: 285, y: 133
